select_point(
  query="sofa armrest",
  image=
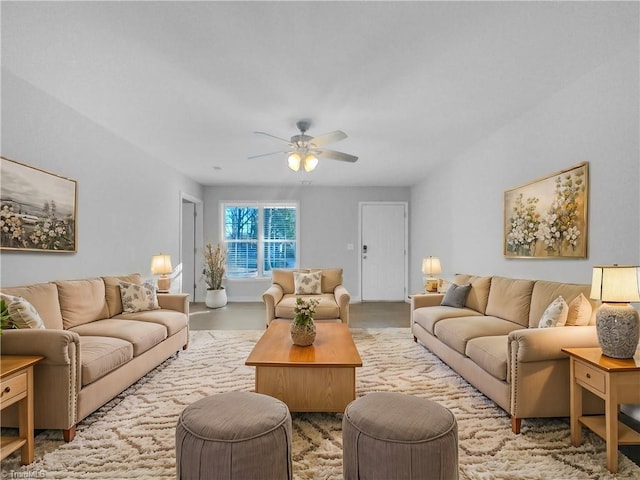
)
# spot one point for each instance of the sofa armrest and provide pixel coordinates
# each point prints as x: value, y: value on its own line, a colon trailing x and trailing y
x: 426, y: 300
x: 540, y: 344
x: 174, y: 301
x: 57, y: 380
x: 342, y: 299
x: 271, y: 298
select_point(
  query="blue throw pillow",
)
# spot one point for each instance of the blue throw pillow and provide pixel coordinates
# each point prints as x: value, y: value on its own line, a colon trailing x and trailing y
x: 456, y: 296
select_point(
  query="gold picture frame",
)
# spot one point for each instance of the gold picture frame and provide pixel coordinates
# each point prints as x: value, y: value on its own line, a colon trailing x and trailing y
x: 38, y: 209
x: 548, y: 218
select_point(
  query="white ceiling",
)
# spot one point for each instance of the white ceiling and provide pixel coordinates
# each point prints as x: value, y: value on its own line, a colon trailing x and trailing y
x: 413, y: 84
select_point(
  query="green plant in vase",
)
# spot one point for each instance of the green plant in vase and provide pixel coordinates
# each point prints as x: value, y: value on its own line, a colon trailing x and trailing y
x: 5, y: 318
x: 303, y: 329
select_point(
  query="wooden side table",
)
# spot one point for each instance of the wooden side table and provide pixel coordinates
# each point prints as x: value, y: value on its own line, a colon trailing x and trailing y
x: 616, y: 381
x: 16, y: 386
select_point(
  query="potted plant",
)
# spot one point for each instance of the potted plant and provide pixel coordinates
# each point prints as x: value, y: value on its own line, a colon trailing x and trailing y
x: 215, y: 261
x: 303, y: 330
x: 5, y: 318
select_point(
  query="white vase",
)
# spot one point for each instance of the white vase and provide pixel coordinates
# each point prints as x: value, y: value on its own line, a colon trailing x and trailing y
x: 216, y: 298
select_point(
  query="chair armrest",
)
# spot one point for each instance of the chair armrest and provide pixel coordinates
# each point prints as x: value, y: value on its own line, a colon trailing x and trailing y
x: 342, y: 299
x: 271, y: 298
x: 426, y: 300
x: 57, y: 379
x: 174, y: 301
x: 540, y: 344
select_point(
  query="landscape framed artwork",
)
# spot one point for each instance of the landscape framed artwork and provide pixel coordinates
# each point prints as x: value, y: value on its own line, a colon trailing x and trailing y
x: 38, y: 209
x: 548, y: 218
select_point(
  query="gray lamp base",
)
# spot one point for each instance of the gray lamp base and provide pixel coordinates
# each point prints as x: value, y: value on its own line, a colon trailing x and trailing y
x: 618, y: 330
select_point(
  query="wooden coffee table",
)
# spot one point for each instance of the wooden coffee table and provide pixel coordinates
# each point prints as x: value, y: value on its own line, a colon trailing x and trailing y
x: 318, y: 378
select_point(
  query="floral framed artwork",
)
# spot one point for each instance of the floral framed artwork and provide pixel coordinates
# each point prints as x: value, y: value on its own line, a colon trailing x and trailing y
x: 38, y: 209
x: 548, y: 218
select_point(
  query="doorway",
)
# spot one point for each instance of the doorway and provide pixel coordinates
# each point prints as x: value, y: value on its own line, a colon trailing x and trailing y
x: 383, y: 251
x: 191, y: 227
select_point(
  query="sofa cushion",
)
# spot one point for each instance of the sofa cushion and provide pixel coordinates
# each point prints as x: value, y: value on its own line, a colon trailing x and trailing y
x: 143, y: 335
x: 101, y: 355
x: 44, y: 298
x: 456, y: 295
x: 456, y: 332
x: 138, y: 298
x: 21, y: 312
x: 490, y: 354
x: 82, y: 301
x: 331, y: 278
x: 326, y: 309
x: 555, y: 315
x: 307, y: 283
x: 510, y: 298
x: 580, y: 310
x: 479, y: 294
x: 112, y: 291
x: 544, y: 292
x: 172, y: 320
x: 284, y: 278
x: 427, y: 317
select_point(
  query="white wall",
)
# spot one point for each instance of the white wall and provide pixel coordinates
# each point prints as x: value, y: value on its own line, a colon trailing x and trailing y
x: 329, y: 219
x: 457, y: 212
x: 128, y: 203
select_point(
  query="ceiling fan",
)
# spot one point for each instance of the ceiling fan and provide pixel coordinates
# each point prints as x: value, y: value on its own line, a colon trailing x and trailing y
x: 304, y: 150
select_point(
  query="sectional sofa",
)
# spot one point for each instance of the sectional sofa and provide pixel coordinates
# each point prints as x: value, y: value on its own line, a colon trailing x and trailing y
x: 93, y: 349
x: 495, y: 343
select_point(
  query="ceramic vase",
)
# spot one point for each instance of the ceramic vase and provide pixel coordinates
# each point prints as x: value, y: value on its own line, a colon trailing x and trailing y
x: 216, y: 298
x: 303, y: 334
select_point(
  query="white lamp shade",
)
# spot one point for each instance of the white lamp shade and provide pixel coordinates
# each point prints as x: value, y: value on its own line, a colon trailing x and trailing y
x: 616, y: 283
x: 294, y: 161
x: 431, y: 265
x: 310, y: 163
x: 161, y: 264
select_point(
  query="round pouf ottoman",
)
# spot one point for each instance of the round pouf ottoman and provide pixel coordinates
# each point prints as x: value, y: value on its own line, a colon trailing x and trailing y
x: 234, y: 436
x: 392, y: 435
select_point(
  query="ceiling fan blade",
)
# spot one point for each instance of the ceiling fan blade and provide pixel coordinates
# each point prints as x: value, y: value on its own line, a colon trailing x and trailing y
x: 345, y: 157
x: 267, y: 154
x: 326, y: 138
x: 288, y: 142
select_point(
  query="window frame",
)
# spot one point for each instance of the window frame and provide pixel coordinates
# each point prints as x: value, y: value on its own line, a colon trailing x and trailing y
x: 260, y: 206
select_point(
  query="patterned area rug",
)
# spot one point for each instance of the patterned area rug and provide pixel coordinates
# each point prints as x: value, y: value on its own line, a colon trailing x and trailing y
x: 133, y: 435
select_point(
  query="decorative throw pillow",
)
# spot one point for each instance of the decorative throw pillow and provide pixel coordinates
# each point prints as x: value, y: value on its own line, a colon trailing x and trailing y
x: 580, y: 310
x: 138, y: 298
x: 21, y: 312
x: 456, y: 295
x: 555, y: 315
x: 307, y: 283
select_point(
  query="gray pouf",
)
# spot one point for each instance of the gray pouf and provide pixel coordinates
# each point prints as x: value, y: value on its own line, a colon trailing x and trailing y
x: 234, y: 436
x: 392, y: 435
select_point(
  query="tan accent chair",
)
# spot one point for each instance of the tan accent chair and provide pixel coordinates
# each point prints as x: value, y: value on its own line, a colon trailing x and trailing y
x: 280, y: 297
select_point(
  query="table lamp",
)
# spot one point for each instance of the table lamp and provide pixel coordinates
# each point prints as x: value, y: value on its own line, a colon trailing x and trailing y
x: 161, y: 265
x: 431, y: 266
x: 616, y: 320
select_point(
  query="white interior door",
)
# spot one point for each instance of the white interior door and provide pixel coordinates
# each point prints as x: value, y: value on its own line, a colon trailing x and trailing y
x: 188, y: 248
x: 383, y: 251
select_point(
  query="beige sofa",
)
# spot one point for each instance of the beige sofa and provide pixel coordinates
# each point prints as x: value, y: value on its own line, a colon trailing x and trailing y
x: 280, y: 297
x: 93, y: 351
x: 495, y: 344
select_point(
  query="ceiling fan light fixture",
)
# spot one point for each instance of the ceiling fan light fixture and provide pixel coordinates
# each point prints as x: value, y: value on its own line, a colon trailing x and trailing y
x: 310, y: 163
x: 294, y: 161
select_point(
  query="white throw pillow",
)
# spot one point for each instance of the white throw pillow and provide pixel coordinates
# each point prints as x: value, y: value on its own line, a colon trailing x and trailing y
x: 580, y: 310
x: 21, y: 312
x: 138, y: 298
x: 307, y: 283
x: 555, y: 315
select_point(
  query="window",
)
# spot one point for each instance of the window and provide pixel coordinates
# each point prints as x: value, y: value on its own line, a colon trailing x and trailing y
x: 260, y: 237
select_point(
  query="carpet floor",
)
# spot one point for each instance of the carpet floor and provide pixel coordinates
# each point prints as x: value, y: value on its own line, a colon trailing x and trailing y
x: 133, y: 435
